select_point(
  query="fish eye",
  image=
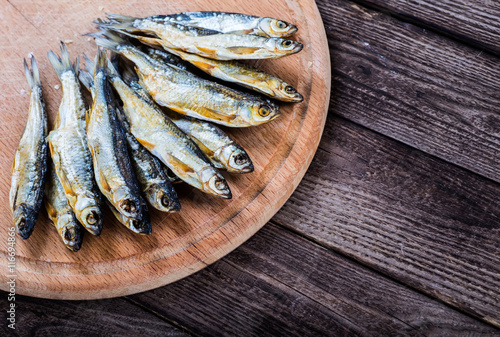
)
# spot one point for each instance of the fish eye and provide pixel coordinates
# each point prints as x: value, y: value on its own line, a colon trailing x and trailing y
x: 219, y: 184
x: 264, y: 111
x: 240, y: 159
x: 286, y: 43
x: 281, y: 24
x: 290, y: 90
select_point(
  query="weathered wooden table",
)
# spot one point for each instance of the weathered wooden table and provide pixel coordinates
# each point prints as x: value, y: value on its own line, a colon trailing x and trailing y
x: 395, y: 229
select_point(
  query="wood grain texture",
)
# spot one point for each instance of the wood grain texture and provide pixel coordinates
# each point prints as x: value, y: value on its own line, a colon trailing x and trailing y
x: 120, y: 262
x: 111, y: 317
x: 475, y: 21
x: 280, y: 284
x: 415, y: 86
x: 424, y: 222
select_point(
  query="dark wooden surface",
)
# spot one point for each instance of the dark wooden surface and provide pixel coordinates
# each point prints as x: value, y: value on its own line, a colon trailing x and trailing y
x: 395, y: 228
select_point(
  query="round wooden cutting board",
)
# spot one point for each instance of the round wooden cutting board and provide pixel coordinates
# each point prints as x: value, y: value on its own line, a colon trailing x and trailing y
x: 119, y: 262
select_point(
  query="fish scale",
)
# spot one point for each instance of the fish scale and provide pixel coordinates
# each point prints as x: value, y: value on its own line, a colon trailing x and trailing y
x: 69, y: 149
x: 30, y: 160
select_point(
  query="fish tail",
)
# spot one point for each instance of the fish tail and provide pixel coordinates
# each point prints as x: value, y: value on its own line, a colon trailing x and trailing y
x: 101, y: 60
x: 117, y: 21
x: 113, y: 41
x: 128, y: 74
x: 33, y: 75
x: 85, y: 75
x: 63, y: 64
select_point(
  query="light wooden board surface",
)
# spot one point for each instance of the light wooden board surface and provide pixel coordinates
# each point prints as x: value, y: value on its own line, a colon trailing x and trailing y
x: 120, y: 262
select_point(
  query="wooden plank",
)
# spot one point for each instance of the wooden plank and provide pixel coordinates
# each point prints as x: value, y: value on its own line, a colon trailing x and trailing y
x: 114, y: 317
x: 280, y: 284
x: 475, y: 21
x: 415, y: 86
x: 424, y: 222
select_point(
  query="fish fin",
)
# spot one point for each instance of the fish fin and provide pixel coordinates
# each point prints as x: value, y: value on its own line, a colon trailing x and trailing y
x: 149, y: 40
x: 112, y: 42
x: 203, y: 66
x: 128, y: 74
x: 113, y: 72
x: 86, y: 79
x: 118, y: 21
x: 243, y: 50
x: 77, y: 65
x: 32, y: 76
x: 208, y: 51
x: 63, y: 64
x: 101, y: 60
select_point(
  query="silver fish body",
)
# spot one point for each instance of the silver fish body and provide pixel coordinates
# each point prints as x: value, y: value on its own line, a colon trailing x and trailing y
x: 233, y: 23
x: 69, y: 149
x: 61, y: 214
x: 207, y: 43
x: 113, y: 170
x: 155, y: 185
x: 191, y: 95
x: 235, y: 72
x: 30, y: 161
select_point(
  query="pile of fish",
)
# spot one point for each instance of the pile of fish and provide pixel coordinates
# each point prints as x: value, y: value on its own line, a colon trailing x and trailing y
x: 126, y: 147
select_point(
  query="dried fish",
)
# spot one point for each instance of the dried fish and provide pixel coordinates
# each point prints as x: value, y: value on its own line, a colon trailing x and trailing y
x: 233, y: 23
x: 204, y: 42
x: 191, y: 95
x: 112, y: 167
x: 69, y: 149
x: 30, y: 161
x: 60, y: 212
x: 153, y: 181
x: 235, y: 72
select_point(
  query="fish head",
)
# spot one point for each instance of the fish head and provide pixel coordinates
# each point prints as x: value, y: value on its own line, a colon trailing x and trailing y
x: 276, y: 28
x: 142, y: 226
x: 163, y: 198
x: 260, y: 112
x: 235, y: 159
x: 127, y: 203
x: 214, y: 183
x: 283, y: 46
x: 284, y: 90
x: 89, y: 213
x: 70, y: 231
x: 24, y: 220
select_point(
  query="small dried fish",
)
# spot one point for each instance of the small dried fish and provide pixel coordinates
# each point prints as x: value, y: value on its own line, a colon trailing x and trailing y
x: 112, y: 167
x: 60, y: 212
x: 155, y: 185
x: 223, y: 152
x: 167, y: 142
x: 142, y: 226
x: 233, y: 23
x: 191, y: 95
x: 69, y: 149
x: 235, y: 72
x: 30, y: 161
x: 204, y: 42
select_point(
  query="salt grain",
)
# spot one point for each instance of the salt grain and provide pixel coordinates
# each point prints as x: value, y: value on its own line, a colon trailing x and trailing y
x: 56, y: 86
x: 23, y: 91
